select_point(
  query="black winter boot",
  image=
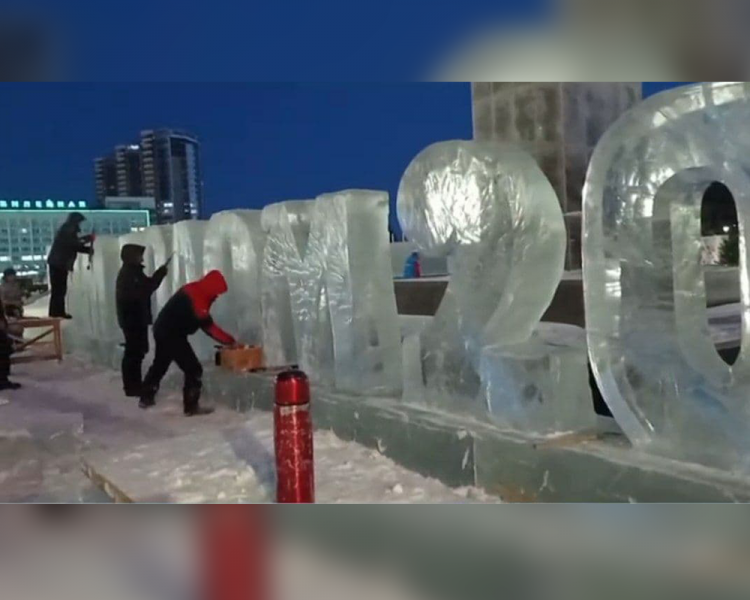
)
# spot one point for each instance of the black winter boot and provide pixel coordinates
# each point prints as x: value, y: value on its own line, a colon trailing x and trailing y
x: 191, y: 403
x: 148, y: 398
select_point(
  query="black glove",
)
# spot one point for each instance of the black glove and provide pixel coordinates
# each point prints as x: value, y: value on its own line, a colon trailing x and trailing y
x: 161, y: 271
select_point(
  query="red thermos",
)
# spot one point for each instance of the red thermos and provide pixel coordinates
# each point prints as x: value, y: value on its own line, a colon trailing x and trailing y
x: 293, y: 439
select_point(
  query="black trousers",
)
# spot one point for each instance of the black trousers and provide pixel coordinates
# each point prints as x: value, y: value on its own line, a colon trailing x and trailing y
x: 136, y: 348
x: 179, y: 350
x: 5, y: 352
x: 58, y: 281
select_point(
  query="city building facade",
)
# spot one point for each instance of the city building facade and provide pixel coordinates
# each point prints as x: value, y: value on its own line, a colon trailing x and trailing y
x: 28, y: 227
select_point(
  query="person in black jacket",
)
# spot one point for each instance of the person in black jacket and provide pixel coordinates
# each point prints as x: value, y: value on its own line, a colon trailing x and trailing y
x: 6, y: 349
x: 133, y: 292
x: 185, y: 313
x: 62, y: 257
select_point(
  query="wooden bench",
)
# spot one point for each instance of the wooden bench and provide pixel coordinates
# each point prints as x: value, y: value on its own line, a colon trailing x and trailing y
x: 39, y: 347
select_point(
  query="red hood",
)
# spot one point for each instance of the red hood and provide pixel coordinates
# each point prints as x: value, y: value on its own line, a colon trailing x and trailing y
x: 210, y: 287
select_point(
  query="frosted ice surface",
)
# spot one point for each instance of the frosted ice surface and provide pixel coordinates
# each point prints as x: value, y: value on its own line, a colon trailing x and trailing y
x: 328, y: 300
x: 158, y: 242
x: 359, y: 284
x: 287, y: 225
x: 541, y: 385
x: 643, y: 279
x: 233, y: 244
x: 187, y: 245
x: 104, y: 267
x: 493, y: 213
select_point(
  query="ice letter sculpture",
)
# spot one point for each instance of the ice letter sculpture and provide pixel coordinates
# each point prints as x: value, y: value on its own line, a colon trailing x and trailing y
x: 644, y: 287
x: 328, y: 297
x: 233, y: 244
x: 359, y: 286
x: 492, y: 212
x: 287, y: 225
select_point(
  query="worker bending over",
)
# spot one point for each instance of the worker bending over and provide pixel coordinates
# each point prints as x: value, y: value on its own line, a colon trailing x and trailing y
x: 185, y: 312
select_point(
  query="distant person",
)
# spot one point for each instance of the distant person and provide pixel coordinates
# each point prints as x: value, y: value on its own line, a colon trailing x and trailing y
x: 186, y: 312
x: 412, y: 268
x: 133, y: 292
x: 11, y: 294
x: 6, y: 349
x: 62, y: 257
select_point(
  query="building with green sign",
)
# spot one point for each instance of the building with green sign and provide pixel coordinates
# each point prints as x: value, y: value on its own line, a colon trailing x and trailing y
x: 27, y: 229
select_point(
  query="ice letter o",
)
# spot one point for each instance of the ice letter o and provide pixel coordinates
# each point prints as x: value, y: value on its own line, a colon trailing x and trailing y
x: 490, y: 209
x: 643, y: 279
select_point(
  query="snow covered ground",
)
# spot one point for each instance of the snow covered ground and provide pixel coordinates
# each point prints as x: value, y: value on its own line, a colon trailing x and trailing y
x: 68, y: 409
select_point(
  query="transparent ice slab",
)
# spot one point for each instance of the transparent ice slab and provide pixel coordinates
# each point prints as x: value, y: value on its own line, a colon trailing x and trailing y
x: 327, y: 291
x: 491, y: 211
x: 643, y: 279
x: 287, y: 227
x: 541, y: 385
x: 187, y: 245
x: 233, y: 244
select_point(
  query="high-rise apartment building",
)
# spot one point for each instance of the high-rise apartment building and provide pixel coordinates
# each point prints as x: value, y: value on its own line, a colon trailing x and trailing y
x: 105, y: 176
x: 172, y: 174
x: 129, y: 170
x: 165, y: 166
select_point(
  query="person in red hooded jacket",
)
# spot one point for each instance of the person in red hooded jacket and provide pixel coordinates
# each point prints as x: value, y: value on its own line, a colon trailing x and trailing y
x: 185, y: 313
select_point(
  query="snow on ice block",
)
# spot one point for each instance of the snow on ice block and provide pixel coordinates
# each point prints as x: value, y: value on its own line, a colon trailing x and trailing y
x: 541, y: 385
x: 490, y: 210
x: 233, y: 244
x: 287, y: 225
x: 644, y: 282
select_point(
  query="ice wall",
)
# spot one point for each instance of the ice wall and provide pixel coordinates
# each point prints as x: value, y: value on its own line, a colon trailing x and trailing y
x: 287, y: 226
x: 328, y: 299
x: 158, y: 242
x: 233, y: 244
x: 493, y: 213
x: 91, y: 300
x: 187, y: 245
x: 643, y: 279
x: 359, y: 284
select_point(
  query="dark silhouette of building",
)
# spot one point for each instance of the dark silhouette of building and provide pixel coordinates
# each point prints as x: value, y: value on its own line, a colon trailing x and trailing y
x: 165, y: 166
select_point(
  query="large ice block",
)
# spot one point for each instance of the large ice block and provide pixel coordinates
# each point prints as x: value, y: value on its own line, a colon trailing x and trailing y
x: 187, y: 245
x: 359, y: 283
x: 158, y: 242
x: 233, y: 244
x: 643, y: 279
x: 493, y: 213
x: 287, y: 225
x: 541, y: 385
x: 328, y: 300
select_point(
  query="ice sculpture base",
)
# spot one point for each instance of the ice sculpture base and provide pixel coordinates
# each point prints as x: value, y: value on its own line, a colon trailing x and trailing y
x: 462, y: 451
x: 540, y: 386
